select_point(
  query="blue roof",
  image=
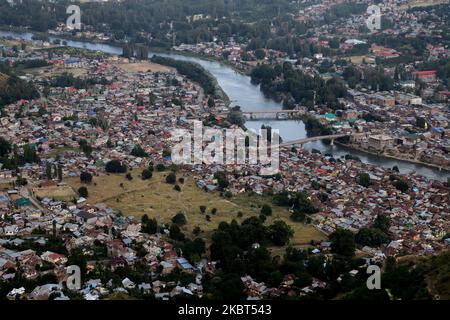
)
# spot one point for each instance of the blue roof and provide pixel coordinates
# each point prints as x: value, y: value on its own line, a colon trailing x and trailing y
x: 184, y: 263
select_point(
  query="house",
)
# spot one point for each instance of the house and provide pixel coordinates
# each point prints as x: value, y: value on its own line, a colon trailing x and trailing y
x: 407, y: 99
x: 6, y: 264
x: 128, y: 284
x: 22, y: 202
x: 184, y: 265
x: 118, y: 262
x: 11, y: 230
x: 55, y: 258
x: 44, y: 291
x: 86, y: 217
x: 380, y: 141
x: 115, y: 248
x: 425, y: 76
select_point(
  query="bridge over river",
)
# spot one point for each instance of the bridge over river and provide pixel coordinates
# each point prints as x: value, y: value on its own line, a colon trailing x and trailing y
x: 331, y: 137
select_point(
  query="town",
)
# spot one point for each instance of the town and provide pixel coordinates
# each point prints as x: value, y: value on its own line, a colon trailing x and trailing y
x: 87, y: 176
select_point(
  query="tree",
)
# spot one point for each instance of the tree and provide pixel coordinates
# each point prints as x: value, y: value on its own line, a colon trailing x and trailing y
x: 115, y: 166
x: 211, y: 102
x: 85, y: 147
x: 280, y: 233
x: 266, y: 210
x: 193, y: 250
x: 343, y: 242
x: 149, y: 226
x: 372, y: 237
x: 260, y: 54
x: 76, y: 257
x: 60, y: 172
x: 226, y: 286
x: 171, y: 178
x: 364, y: 179
x: 401, y: 185
x: 29, y: 154
x: 139, y: 152
x: 48, y: 170
x: 222, y: 180
x: 146, y: 174
x: 83, y: 192
x: 85, y: 177
x: 421, y: 123
x: 160, y: 167
x: 235, y: 116
x: 179, y: 219
x: 175, y: 233
x: 382, y: 222
x: 5, y: 147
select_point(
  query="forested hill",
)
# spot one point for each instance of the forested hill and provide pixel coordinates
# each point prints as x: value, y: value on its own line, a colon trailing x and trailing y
x: 131, y: 16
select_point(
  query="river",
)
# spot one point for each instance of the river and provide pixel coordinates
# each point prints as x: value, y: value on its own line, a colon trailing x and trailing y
x: 242, y: 92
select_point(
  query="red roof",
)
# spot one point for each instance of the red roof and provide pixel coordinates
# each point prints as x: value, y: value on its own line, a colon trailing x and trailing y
x: 426, y: 72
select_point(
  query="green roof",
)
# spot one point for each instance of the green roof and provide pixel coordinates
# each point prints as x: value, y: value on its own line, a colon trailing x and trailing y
x: 23, y: 202
x: 330, y: 116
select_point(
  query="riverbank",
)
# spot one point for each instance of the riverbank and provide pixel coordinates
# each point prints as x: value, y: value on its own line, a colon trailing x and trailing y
x: 196, y: 73
x: 430, y: 165
x: 210, y: 58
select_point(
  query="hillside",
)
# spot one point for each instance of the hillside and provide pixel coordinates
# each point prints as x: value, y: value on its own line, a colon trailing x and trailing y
x: 437, y: 275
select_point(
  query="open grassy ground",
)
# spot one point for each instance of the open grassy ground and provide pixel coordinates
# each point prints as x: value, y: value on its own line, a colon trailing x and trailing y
x: 62, y: 150
x: 360, y: 59
x: 158, y: 199
x: 144, y: 66
x: 56, y: 193
x: 419, y: 3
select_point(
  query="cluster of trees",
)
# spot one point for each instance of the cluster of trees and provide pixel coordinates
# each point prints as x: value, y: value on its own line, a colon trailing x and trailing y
x: 299, y: 202
x: 222, y: 180
x: 137, y: 151
x: 377, y: 234
x: 315, y: 128
x: 68, y: 80
x: 85, y: 147
x: 149, y: 226
x: 241, y: 249
x: 293, y: 86
x: 192, y: 71
x: 115, y: 166
x: 17, y: 158
x: 399, y: 183
x: 139, y: 51
x: 372, y: 78
x: 53, y: 170
x: 236, y: 117
x: 127, y: 20
x: 13, y: 88
x: 28, y: 64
